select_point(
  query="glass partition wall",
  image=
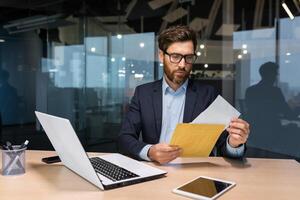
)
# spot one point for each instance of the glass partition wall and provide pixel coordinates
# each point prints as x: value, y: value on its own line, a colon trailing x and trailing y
x: 82, y: 60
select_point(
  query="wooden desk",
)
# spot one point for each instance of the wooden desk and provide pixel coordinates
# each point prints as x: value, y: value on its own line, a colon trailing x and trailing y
x: 255, y: 178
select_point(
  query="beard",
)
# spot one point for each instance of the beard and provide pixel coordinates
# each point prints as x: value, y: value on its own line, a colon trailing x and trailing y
x: 177, y: 76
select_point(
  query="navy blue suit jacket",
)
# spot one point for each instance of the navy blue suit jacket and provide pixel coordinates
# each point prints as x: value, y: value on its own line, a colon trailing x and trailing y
x: 145, y: 116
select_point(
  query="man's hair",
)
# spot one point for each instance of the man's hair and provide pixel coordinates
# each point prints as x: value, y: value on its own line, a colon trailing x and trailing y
x: 268, y: 69
x: 176, y: 34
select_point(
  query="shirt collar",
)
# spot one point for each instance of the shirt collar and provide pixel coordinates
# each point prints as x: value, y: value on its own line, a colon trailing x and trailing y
x: 166, y: 88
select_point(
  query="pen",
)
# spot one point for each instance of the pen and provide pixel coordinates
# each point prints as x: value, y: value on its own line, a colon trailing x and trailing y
x: 9, y: 146
x: 24, y: 144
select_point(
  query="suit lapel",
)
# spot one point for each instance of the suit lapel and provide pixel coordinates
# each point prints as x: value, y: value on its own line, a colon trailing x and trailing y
x: 190, y: 101
x: 157, y: 105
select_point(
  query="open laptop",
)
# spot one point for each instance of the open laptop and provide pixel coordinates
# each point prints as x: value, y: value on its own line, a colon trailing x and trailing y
x: 106, y: 171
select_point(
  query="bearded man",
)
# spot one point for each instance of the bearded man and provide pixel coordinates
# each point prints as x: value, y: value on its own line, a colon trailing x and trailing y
x: 157, y: 107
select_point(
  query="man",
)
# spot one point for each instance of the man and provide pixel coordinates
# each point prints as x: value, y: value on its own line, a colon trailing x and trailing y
x: 266, y: 107
x: 157, y: 107
x: 265, y: 100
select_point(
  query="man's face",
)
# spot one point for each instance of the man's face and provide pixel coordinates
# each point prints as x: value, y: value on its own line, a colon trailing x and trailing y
x: 177, y: 72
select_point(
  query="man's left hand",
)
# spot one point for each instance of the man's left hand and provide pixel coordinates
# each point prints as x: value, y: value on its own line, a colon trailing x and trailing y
x: 238, y: 132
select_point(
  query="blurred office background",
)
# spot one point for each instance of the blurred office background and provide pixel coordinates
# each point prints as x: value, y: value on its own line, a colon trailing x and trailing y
x: 82, y: 60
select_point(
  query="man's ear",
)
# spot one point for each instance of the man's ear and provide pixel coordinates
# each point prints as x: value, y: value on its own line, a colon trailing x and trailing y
x: 161, y: 56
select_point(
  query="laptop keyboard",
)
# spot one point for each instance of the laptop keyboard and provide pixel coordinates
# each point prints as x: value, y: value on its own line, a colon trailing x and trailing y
x: 111, y: 171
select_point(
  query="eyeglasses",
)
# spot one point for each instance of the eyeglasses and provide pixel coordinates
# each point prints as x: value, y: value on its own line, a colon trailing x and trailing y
x: 176, y: 57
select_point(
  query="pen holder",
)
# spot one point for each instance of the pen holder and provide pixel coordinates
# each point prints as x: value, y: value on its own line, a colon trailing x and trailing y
x: 13, y: 161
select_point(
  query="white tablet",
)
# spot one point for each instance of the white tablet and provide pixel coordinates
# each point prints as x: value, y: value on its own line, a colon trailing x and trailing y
x: 204, y: 188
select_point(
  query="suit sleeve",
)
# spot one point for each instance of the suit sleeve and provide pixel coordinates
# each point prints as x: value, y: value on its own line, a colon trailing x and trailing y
x: 128, y: 140
x: 222, y: 147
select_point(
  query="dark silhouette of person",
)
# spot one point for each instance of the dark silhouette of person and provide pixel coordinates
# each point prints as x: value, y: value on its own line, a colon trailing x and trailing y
x: 265, y: 100
x: 265, y: 107
x: 8, y: 100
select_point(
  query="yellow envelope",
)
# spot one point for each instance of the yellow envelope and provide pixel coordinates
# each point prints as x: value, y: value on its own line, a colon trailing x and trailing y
x: 196, y: 139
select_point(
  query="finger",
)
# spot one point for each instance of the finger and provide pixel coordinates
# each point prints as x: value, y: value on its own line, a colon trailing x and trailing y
x: 168, y: 148
x: 175, y: 153
x: 172, y: 154
x: 239, y: 126
x: 168, y: 154
x: 238, y: 138
x: 167, y: 157
x: 244, y: 137
x: 242, y: 126
x: 235, y: 131
x: 172, y: 157
x: 239, y: 120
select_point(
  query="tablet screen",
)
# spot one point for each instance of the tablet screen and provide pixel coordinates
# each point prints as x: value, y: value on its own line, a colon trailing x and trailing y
x: 205, y: 187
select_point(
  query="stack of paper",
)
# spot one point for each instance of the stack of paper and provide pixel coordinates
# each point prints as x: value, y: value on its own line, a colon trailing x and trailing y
x: 200, y: 136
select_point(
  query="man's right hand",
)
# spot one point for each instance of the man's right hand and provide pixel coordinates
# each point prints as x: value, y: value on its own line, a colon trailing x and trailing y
x: 163, y: 153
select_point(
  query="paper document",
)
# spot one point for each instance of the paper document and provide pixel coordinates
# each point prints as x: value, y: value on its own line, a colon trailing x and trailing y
x: 219, y: 112
x: 196, y: 139
x: 190, y: 160
x: 199, y: 137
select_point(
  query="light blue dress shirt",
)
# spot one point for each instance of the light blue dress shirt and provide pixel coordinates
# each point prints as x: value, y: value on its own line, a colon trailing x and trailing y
x: 173, y: 109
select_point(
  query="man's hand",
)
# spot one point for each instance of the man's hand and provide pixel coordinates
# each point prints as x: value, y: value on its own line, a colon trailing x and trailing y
x: 163, y: 153
x: 238, y: 132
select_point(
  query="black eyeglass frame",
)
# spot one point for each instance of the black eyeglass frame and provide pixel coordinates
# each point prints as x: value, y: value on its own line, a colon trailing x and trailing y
x: 181, y: 56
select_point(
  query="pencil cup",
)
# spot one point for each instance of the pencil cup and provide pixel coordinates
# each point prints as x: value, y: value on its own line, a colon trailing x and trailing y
x: 13, y: 161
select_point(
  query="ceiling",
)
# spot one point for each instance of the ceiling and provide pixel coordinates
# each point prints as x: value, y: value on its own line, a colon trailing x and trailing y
x: 212, y: 19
